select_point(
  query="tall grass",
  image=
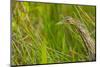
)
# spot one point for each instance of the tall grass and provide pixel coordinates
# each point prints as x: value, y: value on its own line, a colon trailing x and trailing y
x: 36, y: 39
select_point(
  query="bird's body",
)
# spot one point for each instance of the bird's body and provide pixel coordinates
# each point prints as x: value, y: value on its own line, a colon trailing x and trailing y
x: 89, y: 42
x: 84, y: 33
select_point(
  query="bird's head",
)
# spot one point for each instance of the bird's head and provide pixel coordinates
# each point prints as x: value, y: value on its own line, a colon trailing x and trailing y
x: 66, y: 20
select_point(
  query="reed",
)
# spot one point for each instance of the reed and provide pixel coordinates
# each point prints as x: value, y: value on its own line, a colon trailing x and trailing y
x: 36, y: 39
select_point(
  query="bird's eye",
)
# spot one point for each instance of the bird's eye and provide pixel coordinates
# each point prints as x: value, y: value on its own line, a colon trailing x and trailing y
x: 67, y: 20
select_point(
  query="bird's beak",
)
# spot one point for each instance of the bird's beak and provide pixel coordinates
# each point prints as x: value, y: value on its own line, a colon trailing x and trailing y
x: 59, y: 23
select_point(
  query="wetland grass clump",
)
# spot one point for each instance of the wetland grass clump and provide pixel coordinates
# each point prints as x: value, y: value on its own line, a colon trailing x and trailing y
x: 36, y: 39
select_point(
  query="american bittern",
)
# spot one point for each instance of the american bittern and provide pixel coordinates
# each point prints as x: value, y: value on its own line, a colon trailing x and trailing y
x: 84, y: 33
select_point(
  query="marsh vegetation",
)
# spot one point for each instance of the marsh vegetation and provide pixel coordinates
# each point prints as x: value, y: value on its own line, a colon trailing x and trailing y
x: 36, y: 39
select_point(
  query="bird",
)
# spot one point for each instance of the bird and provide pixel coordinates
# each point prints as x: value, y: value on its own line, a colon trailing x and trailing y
x: 84, y: 33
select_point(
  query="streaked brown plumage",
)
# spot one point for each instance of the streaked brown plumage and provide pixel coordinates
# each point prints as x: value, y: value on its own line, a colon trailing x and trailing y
x: 84, y: 33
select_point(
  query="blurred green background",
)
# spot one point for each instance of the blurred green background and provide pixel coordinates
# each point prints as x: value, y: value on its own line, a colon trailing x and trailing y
x: 36, y: 39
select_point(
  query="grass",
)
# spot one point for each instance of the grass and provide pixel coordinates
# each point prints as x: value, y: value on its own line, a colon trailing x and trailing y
x: 36, y: 39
